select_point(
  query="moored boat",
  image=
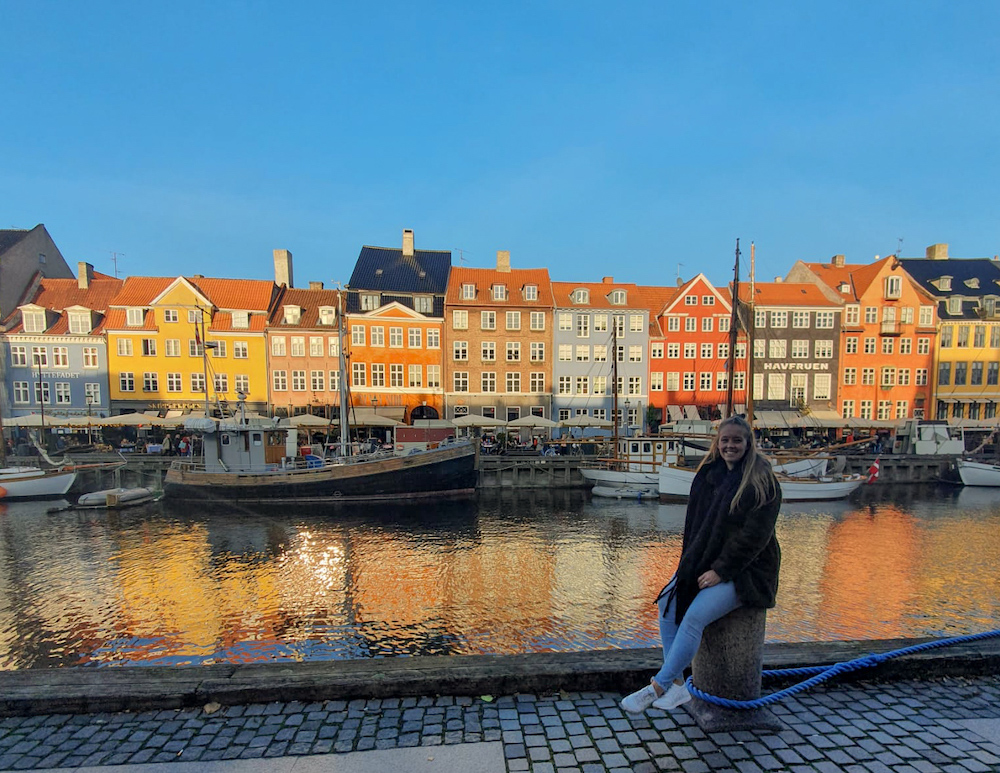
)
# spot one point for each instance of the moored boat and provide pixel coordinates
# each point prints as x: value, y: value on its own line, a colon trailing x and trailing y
x: 978, y: 473
x: 117, y: 498
x: 35, y: 483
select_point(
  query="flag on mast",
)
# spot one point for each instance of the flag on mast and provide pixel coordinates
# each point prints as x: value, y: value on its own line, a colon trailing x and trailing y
x: 873, y: 470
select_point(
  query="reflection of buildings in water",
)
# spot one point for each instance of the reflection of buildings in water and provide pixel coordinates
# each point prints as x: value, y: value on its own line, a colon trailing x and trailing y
x: 803, y: 537
x: 958, y: 585
x: 871, y: 575
x: 57, y: 588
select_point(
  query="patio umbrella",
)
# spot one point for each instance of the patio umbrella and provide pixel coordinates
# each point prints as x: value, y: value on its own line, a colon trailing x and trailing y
x: 586, y: 421
x: 374, y: 420
x: 130, y: 420
x: 471, y: 420
x: 309, y: 420
x: 533, y: 421
x: 35, y: 420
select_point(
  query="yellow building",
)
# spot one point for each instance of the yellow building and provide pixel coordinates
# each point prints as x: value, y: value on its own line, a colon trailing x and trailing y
x: 158, y: 329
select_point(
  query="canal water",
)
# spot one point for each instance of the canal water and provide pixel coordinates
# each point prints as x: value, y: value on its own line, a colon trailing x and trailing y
x: 512, y: 572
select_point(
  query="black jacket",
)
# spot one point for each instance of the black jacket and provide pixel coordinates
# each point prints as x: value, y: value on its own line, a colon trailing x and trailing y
x: 740, y: 546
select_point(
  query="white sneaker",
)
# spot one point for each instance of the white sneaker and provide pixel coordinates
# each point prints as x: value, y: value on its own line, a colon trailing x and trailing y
x: 675, y: 695
x: 640, y: 700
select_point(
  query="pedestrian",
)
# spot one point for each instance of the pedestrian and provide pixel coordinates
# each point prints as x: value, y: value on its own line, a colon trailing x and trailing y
x: 729, y: 557
x: 183, y: 446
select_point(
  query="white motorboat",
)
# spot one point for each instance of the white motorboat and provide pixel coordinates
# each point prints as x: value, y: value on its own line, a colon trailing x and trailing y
x: 633, y: 472
x: 978, y: 473
x: 117, y: 498
x: 675, y: 483
x: 35, y: 483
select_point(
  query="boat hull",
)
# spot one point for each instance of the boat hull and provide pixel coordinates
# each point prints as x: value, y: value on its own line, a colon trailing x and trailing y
x: 978, y: 473
x: 448, y: 471
x: 675, y: 484
x: 116, y: 498
x: 621, y: 484
x: 33, y: 483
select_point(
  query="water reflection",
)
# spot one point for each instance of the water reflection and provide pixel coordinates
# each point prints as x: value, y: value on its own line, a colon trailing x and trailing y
x: 513, y: 572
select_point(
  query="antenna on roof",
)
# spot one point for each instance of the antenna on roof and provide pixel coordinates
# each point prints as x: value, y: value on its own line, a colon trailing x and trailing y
x: 899, y: 246
x: 114, y: 259
x: 461, y: 255
x: 679, y: 273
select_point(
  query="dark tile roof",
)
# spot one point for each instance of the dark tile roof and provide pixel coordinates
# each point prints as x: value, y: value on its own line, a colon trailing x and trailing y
x: 384, y: 269
x: 352, y: 302
x: 9, y: 237
x: 960, y: 270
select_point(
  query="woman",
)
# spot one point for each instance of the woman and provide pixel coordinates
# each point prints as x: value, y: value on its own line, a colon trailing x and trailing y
x: 730, y: 557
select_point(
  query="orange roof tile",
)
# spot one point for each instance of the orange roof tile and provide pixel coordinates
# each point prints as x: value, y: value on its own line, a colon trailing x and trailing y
x: 60, y: 294
x: 858, y: 276
x: 786, y: 294
x: 485, y: 278
x: 117, y: 319
x: 242, y: 294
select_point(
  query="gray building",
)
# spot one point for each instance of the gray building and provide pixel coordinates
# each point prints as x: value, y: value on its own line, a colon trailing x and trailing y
x: 796, y: 349
x: 600, y: 330
x: 25, y: 257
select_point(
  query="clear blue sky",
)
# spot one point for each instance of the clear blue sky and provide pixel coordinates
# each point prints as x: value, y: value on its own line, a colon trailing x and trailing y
x: 588, y: 138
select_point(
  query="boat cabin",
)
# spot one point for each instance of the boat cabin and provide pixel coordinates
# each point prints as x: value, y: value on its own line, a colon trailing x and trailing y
x: 253, y: 445
x: 646, y: 454
x: 928, y: 437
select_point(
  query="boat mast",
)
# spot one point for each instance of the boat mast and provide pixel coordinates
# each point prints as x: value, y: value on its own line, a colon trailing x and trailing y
x: 204, y: 356
x: 614, y: 383
x: 733, y: 333
x: 345, y: 430
x: 751, y: 325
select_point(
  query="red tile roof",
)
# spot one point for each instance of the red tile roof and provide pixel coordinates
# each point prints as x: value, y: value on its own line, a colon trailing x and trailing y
x: 60, y: 294
x: 485, y: 278
x: 858, y: 276
x: 309, y: 301
x: 599, y: 292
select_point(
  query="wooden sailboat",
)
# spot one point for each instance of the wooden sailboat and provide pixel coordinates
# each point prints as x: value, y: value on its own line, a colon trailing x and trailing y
x: 251, y: 459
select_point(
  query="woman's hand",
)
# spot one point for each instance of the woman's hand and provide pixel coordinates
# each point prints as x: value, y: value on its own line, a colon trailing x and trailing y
x: 708, y: 579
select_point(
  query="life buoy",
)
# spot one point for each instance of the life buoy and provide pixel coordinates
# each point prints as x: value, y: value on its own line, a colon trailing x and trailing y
x: 3, y: 492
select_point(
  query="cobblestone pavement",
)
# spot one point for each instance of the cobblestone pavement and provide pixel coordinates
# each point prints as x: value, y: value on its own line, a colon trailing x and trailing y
x: 897, y: 727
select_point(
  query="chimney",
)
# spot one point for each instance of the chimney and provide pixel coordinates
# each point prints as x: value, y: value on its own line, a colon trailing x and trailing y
x: 937, y: 252
x: 608, y: 280
x: 315, y: 285
x: 778, y: 280
x: 407, y: 242
x: 283, y: 268
x: 84, y: 275
x: 503, y: 261
x: 838, y: 261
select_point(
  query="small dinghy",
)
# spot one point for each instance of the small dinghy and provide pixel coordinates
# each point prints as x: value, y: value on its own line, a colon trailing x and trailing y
x: 115, y: 498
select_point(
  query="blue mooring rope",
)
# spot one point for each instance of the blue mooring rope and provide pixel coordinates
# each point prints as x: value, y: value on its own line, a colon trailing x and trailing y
x: 823, y: 673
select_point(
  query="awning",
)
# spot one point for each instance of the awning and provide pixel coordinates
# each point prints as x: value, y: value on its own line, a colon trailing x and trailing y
x: 771, y: 419
x: 691, y: 412
x: 675, y: 413
x: 825, y: 417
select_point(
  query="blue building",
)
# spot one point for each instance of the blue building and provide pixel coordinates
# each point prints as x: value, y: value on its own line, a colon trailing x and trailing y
x: 54, y: 350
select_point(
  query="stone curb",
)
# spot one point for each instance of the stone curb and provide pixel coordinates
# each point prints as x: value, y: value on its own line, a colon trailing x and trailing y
x: 89, y: 690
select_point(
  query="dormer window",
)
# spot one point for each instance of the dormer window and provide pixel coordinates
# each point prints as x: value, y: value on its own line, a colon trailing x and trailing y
x: 423, y: 303
x: 468, y: 292
x: 973, y: 283
x: 79, y: 322
x: 618, y: 297
x: 327, y: 315
x: 293, y: 315
x: 34, y: 321
x: 893, y: 287
x: 944, y: 283
x: 531, y: 292
x: 581, y: 296
x: 241, y: 319
x: 990, y: 305
x: 370, y: 301
x: 955, y: 305
x: 844, y: 287
x: 499, y: 292
x: 133, y: 317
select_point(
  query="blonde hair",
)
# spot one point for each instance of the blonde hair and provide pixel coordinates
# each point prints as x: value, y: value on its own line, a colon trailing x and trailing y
x: 758, y: 476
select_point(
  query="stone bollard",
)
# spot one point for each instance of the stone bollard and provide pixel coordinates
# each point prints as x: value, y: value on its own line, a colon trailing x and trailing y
x: 728, y: 664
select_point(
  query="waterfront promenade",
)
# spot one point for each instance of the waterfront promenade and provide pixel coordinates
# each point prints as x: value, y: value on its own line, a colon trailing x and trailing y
x: 945, y: 719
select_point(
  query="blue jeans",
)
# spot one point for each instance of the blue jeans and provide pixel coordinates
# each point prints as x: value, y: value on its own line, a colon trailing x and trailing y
x: 680, y: 642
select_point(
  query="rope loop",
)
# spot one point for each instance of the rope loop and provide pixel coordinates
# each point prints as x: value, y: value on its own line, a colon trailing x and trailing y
x: 823, y: 673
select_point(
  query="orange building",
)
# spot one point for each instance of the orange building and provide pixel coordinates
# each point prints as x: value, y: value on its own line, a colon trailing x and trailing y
x: 656, y: 299
x: 888, y: 336
x: 498, y: 331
